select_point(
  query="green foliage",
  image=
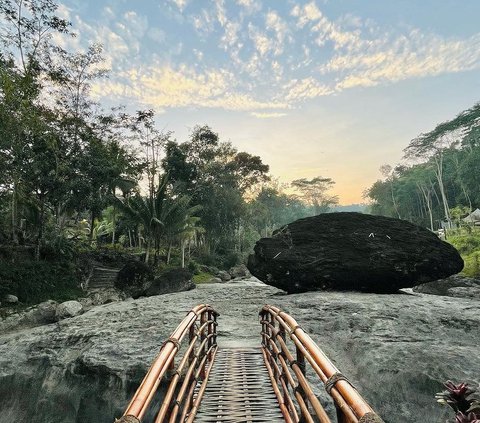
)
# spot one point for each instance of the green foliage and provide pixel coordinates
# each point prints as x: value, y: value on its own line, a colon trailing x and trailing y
x: 441, y: 184
x: 202, y: 277
x: 467, y: 242
x: 314, y: 192
x: 193, y: 267
x: 33, y: 282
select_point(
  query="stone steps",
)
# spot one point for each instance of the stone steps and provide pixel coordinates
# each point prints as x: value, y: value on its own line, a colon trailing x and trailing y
x: 103, y: 277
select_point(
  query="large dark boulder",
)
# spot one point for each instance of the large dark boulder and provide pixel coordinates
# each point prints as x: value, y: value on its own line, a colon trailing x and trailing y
x: 171, y: 280
x: 134, y: 278
x: 352, y: 251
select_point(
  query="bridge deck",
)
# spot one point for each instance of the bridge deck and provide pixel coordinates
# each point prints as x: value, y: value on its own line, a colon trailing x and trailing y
x: 239, y: 389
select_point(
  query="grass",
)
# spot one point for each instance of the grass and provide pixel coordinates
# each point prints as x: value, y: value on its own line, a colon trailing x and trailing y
x: 202, y: 277
x: 467, y: 242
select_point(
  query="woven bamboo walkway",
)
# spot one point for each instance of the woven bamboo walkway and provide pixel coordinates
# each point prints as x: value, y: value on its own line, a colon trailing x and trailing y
x: 239, y: 389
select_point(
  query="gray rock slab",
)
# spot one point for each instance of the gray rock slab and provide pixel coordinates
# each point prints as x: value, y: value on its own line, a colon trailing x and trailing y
x: 397, y: 349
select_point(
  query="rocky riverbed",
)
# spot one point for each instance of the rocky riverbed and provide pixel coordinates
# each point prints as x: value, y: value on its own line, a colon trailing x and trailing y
x: 397, y: 349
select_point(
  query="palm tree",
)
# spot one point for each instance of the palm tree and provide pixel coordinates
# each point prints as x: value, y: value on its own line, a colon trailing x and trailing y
x: 149, y: 213
x: 182, y: 224
x: 163, y: 215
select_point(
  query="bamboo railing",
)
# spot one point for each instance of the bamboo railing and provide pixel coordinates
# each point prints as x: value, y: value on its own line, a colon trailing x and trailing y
x: 288, y: 374
x: 190, y: 375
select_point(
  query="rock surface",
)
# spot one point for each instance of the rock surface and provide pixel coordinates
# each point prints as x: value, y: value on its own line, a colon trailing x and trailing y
x: 68, y: 309
x: 396, y: 349
x: 352, y: 251
x: 454, y: 286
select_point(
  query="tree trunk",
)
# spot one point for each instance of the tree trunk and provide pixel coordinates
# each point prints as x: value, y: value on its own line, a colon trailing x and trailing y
x: 147, y: 253
x: 439, y: 175
x: 183, y: 254
x: 14, y: 214
x: 40, y: 228
x: 114, y: 224
x: 169, y: 252
x: 92, y: 224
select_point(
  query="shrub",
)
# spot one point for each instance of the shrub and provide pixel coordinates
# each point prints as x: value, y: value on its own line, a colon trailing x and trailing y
x: 463, y: 400
x: 33, y: 282
x: 193, y: 267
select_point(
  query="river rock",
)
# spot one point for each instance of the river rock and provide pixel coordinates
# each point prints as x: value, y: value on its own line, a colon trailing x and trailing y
x: 396, y: 349
x: 239, y: 271
x: 224, y: 275
x: 352, y: 251
x: 10, y: 299
x: 42, y: 314
x: 453, y: 286
x: 172, y: 280
x: 68, y: 309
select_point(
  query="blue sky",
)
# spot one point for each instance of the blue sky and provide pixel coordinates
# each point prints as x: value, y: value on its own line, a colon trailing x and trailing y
x: 328, y: 87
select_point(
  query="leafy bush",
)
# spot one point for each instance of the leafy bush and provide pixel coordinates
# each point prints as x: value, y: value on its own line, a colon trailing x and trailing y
x: 467, y: 242
x: 33, y: 282
x: 472, y: 264
x: 463, y: 400
x: 193, y: 267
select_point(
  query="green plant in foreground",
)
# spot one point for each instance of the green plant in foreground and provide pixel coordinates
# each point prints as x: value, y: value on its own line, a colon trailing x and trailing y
x: 463, y: 400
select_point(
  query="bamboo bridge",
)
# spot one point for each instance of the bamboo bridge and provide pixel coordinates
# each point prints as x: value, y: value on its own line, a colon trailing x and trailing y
x: 279, y: 382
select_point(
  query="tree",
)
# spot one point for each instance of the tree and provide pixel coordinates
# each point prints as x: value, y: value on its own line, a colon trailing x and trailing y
x: 216, y: 177
x: 314, y: 192
x: 446, y: 136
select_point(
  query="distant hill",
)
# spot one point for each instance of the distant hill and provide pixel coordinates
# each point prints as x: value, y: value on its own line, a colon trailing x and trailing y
x: 360, y: 208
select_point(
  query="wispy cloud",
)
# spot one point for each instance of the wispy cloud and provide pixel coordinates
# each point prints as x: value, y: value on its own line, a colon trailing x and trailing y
x: 266, y: 115
x: 238, y: 56
x: 166, y: 87
x: 306, y: 88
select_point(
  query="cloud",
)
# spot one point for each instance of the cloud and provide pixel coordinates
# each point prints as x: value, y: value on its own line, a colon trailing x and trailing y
x: 306, y: 88
x: 413, y: 55
x: 181, y: 4
x: 263, y: 44
x: 308, y: 13
x: 266, y: 115
x: 276, y: 24
x: 250, y: 6
x: 230, y: 36
x: 166, y: 87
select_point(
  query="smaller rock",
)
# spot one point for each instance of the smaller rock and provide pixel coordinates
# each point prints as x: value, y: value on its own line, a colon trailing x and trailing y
x: 239, y: 271
x: 42, y: 314
x: 224, y: 276
x: 453, y: 286
x: 472, y: 292
x: 68, y: 309
x: 10, y: 299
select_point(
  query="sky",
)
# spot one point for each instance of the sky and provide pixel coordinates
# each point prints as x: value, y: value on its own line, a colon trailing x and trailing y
x: 335, y: 88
